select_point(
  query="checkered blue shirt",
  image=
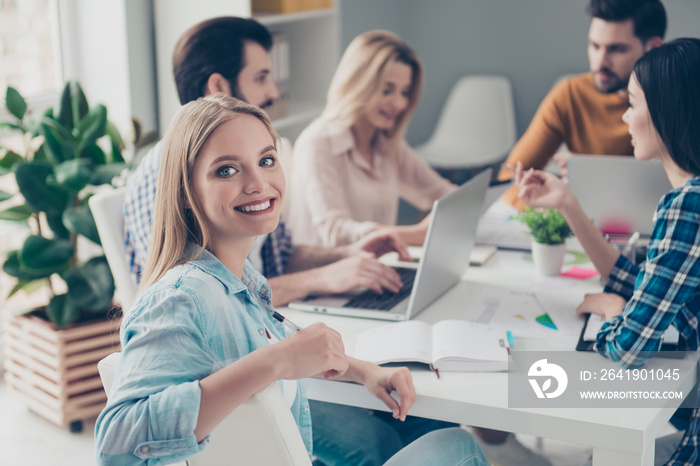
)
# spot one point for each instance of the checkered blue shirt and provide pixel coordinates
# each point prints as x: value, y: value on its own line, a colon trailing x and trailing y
x: 663, y: 291
x: 138, y: 208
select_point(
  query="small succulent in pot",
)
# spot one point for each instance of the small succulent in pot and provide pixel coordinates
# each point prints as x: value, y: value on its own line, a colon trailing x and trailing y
x: 547, y: 226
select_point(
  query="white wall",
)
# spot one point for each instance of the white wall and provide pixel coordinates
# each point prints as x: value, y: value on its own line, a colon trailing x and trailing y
x: 140, y: 43
x: 171, y: 18
x: 532, y: 42
x: 111, y: 54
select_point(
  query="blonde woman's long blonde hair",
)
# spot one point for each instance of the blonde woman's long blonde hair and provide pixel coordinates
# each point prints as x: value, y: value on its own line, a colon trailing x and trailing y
x: 174, y: 225
x: 360, y: 77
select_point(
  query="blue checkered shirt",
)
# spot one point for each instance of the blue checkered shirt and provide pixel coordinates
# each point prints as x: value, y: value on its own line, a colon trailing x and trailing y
x: 138, y: 208
x: 662, y: 291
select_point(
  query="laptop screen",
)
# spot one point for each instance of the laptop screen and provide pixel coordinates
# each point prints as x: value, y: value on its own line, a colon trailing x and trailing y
x: 449, y: 241
x: 619, y: 193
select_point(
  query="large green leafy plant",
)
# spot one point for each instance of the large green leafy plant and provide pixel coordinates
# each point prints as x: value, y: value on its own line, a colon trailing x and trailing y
x: 63, y: 153
x: 547, y: 226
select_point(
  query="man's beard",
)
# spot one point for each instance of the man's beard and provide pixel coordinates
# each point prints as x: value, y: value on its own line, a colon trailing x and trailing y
x: 266, y: 104
x: 611, y: 86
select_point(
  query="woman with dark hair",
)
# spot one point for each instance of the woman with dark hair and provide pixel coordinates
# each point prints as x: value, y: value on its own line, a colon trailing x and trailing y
x: 641, y: 302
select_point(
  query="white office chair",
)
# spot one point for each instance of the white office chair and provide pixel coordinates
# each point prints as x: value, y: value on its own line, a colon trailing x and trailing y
x: 476, y: 127
x: 108, y: 211
x: 261, y: 431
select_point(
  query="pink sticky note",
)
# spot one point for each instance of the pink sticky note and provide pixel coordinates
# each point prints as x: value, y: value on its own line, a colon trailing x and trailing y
x: 580, y: 273
x: 616, y: 227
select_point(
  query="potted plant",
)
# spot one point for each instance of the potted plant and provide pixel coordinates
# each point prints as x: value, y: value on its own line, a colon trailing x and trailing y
x: 52, y: 351
x: 549, y: 231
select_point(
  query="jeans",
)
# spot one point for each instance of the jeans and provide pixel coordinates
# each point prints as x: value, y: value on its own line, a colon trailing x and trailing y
x: 344, y: 435
x: 444, y: 447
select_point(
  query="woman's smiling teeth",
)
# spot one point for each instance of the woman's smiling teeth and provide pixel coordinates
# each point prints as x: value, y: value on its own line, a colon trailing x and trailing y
x: 254, y: 207
x: 388, y: 115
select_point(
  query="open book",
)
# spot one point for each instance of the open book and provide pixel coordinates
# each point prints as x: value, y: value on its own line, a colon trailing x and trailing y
x: 449, y: 345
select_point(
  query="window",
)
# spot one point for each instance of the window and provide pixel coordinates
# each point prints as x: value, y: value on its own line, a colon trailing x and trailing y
x: 29, y: 49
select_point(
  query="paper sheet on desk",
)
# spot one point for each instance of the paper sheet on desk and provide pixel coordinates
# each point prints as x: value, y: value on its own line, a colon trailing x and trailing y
x: 521, y: 263
x: 479, y: 255
x: 561, y: 307
x: 498, y: 228
x: 531, y: 314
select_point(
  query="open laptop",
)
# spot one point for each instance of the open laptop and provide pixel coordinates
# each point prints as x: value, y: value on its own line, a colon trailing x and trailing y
x: 449, y: 241
x: 620, y: 193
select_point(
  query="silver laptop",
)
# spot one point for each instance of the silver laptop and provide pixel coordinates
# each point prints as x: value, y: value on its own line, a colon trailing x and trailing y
x: 494, y: 193
x: 446, y: 250
x: 619, y: 193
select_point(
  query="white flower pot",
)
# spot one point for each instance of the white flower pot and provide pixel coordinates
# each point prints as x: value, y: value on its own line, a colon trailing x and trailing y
x: 548, y: 258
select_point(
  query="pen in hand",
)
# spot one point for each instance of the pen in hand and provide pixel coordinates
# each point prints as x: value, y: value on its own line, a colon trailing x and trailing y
x: 629, y: 247
x: 290, y: 325
x: 508, y: 166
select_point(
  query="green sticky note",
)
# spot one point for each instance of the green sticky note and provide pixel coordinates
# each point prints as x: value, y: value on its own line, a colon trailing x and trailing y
x: 545, y: 320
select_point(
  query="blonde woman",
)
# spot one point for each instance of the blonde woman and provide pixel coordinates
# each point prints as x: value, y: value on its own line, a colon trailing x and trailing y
x: 351, y: 166
x: 201, y: 337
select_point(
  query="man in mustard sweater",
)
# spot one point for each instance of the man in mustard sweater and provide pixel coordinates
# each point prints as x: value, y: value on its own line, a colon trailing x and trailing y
x: 585, y: 111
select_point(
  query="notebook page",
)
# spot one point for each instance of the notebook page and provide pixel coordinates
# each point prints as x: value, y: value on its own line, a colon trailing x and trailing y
x: 398, y: 342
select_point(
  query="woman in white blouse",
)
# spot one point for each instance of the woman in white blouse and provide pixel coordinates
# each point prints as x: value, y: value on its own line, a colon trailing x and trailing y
x: 351, y: 166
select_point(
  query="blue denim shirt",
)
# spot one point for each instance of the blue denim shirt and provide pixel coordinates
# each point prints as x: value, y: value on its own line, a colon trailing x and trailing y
x: 194, y: 321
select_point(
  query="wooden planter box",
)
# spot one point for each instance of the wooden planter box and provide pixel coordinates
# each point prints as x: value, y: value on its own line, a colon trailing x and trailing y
x: 54, y: 372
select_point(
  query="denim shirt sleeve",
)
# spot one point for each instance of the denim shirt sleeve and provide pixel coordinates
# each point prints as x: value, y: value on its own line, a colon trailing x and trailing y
x: 664, y: 284
x: 154, y: 403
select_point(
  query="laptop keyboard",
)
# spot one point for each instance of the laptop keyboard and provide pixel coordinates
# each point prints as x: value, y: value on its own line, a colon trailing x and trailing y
x: 383, y: 302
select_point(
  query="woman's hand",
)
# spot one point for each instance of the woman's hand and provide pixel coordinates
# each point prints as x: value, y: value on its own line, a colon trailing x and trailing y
x: 360, y: 270
x: 381, y: 381
x: 607, y: 305
x: 316, y: 349
x: 562, y: 161
x: 412, y: 235
x: 380, y: 242
x: 540, y: 189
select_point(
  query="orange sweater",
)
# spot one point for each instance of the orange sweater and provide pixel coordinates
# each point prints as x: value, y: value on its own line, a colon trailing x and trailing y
x: 574, y: 113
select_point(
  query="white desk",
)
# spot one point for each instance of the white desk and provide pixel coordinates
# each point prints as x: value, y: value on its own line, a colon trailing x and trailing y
x: 618, y: 436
